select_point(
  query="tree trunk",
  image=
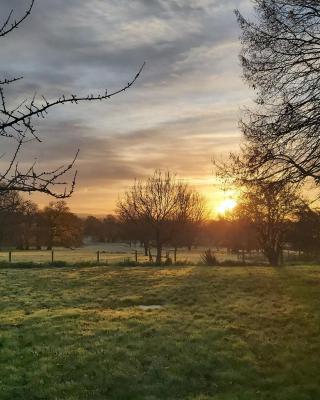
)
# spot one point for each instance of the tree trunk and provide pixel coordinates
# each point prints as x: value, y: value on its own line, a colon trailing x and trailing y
x: 159, y: 248
x: 146, y: 248
x: 273, y: 256
x: 150, y: 255
x: 159, y: 253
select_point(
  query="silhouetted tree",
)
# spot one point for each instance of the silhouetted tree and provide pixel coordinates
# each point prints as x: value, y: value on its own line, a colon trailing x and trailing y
x: 281, y: 62
x: 304, y: 233
x: 63, y: 228
x: 25, y: 226
x: 269, y: 206
x: 185, y: 228
x: 93, y: 227
x: 17, y: 220
x: 17, y: 128
x: 162, y: 203
x: 111, y: 229
x: 10, y: 203
x: 240, y: 234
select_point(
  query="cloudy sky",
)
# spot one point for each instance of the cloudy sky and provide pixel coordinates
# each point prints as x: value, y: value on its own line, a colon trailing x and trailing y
x: 181, y: 112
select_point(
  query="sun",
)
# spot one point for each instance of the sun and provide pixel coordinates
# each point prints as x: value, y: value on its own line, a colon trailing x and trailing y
x: 226, y: 205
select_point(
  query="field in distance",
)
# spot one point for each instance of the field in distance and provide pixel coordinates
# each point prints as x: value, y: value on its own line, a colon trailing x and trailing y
x: 118, y: 252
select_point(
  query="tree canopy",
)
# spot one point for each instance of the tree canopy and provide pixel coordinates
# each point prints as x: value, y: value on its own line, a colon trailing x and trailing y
x: 281, y: 62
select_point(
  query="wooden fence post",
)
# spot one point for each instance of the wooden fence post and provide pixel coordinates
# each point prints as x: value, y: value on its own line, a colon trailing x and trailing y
x: 10, y: 257
x: 98, y: 256
x: 52, y: 255
x: 175, y: 255
x: 136, y: 255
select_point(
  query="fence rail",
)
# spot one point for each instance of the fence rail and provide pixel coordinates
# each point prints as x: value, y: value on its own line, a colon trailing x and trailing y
x: 124, y: 254
x: 83, y: 255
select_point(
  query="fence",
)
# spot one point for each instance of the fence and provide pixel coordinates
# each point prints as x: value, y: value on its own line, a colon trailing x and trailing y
x: 102, y: 255
x: 116, y: 255
x: 87, y: 255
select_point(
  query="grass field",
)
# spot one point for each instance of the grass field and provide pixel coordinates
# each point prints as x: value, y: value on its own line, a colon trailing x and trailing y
x: 220, y: 333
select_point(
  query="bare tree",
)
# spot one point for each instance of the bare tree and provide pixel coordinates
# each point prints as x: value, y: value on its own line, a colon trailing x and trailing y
x: 163, y: 204
x: 281, y: 62
x: 9, y: 201
x: 17, y: 127
x: 269, y: 205
x: 192, y: 213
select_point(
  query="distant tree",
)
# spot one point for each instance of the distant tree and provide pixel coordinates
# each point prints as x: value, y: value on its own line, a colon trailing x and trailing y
x: 136, y: 231
x: 111, y: 228
x: 193, y: 213
x: 17, y: 220
x: 269, y: 205
x: 161, y: 203
x: 93, y: 227
x: 103, y: 230
x: 213, y: 233
x: 304, y: 233
x: 10, y: 203
x: 62, y: 227
x: 240, y: 235
x: 281, y: 62
x: 25, y: 225
x: 17, y: 128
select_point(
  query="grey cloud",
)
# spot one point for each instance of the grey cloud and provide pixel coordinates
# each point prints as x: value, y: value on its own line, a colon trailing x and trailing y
x: 184, y: 107
x: 104, y: 160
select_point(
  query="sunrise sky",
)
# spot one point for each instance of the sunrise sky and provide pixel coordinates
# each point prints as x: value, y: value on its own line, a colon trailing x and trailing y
x: 183, y: 110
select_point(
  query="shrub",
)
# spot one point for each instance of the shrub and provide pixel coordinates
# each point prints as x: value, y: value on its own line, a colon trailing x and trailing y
x: 233, y: 263
x: 238, y: 263
x: 208, y: 258
x: 183, y: 263
x: 168, y: 261
x: 21, y: 264
x: 59, y: 264
x: 127, y: 263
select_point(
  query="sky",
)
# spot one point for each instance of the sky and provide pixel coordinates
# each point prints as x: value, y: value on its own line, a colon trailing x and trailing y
x: 182, y: 112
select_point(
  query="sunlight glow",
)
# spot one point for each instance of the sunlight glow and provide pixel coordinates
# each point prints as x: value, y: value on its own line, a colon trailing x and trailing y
x: 226, y: 205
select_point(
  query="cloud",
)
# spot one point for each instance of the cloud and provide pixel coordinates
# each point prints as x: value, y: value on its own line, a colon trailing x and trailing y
x: 183, y: 109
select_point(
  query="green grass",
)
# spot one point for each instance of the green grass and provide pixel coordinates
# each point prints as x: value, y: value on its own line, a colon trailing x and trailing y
x: 223, y: 333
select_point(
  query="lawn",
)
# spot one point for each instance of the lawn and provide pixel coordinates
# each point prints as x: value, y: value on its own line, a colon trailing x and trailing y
x: 220, y: 333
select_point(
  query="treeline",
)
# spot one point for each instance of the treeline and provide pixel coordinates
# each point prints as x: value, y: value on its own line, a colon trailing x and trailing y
x: 163, y: 212
x: 23, y: 225
x: 236, y: 235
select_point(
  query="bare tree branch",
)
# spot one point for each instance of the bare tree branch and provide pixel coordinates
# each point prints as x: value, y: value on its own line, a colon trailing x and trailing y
x: 9, y: 26
x: 281, y: 62
x: 17, y: 126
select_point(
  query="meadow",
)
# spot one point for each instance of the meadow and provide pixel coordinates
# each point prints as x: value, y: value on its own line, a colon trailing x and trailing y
x: 194, y: 333
x: 120, y: 252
